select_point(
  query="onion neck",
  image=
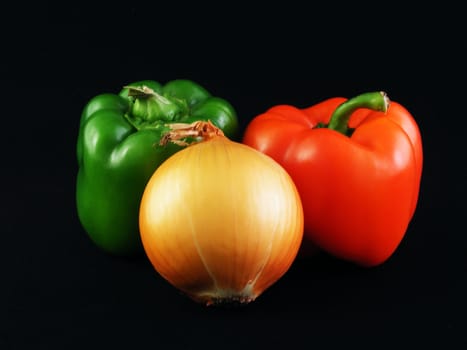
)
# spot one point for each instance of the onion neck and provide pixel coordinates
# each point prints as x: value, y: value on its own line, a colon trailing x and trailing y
x: 185, y: 134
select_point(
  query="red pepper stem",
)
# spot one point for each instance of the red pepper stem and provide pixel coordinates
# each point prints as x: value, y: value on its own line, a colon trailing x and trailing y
x: 377, y: 101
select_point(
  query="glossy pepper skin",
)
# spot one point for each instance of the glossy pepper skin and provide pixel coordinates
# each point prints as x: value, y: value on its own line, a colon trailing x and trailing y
x: 118, y: 150
x: 357, y: 164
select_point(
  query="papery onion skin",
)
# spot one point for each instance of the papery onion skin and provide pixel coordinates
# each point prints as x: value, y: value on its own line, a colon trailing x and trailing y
x: 221, y: 221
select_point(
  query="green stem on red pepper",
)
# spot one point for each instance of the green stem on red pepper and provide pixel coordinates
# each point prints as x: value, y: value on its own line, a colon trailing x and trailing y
x: 377, y: 101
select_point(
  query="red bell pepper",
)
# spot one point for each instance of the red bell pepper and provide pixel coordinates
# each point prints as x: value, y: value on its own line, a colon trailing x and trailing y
x: 357, y: 164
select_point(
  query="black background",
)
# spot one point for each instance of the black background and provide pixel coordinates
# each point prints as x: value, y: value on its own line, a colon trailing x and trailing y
x: 60, y: 291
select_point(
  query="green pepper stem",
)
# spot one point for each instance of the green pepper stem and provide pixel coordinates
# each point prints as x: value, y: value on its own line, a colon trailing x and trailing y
x: 143, y: 91
x: 377, y: 101
x: 150, y: 106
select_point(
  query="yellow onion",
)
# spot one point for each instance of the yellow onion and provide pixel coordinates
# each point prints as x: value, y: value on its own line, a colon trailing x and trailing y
x: 219, y: 220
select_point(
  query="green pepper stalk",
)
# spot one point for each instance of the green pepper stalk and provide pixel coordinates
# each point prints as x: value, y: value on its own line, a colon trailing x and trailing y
x: 149, y: 107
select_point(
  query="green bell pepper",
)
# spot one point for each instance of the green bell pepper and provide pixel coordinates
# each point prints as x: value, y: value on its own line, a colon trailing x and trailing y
x: 118, y: 150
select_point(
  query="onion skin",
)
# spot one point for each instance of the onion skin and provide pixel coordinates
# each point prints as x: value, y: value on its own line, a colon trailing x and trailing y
x: 221, y: 221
